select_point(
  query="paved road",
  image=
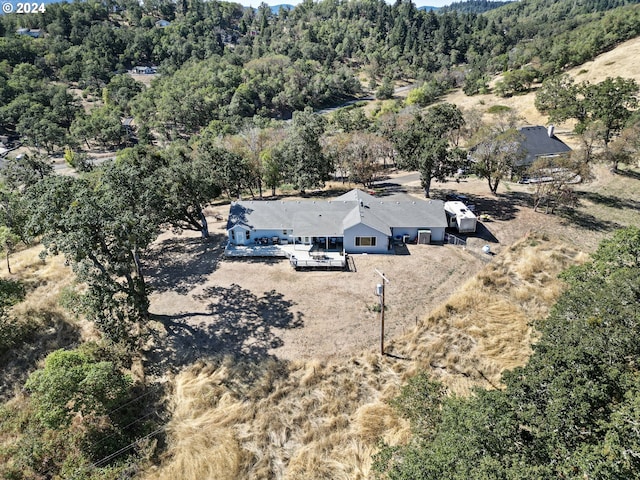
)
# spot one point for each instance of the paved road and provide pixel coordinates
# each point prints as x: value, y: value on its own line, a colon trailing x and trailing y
x: 402, y: 180
x: 61, y: 167
x: 368, y: 98
x: 325, y: 111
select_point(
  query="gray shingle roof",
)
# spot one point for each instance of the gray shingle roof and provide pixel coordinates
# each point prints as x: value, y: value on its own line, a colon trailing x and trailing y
x: 317, y: 219
x: 356, y: 195
x: 537, y: 142
x: 366, y: 216
x: 417, y: 213
x: 330, y: 218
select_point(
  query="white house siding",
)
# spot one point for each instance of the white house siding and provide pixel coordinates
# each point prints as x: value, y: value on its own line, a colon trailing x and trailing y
x: 360, y: 230
x: 270, y: 233
x: 400, y: 232
x: 437, y: 234
x: 238, y: 235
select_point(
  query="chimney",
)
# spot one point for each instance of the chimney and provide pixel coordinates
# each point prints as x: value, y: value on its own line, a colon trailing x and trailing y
x: 550, y: 131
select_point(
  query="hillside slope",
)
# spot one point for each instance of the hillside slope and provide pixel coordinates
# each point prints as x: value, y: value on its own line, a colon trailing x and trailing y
x: 324, y: 418
x: 621, y: 61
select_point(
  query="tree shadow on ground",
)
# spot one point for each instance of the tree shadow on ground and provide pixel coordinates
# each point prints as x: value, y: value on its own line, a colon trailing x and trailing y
x: 236, y: 323
x: 503, y: 206
x: 387, y: 189
x: 577, y: 218
x: 179, y: 264
x: 610, y: 200
x: 485, y: 234
x: 628, y: 173
x: 482, y: 232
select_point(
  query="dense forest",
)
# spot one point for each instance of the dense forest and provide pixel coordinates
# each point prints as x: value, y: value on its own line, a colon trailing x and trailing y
x: 228, y: 110
x: 221, y: 65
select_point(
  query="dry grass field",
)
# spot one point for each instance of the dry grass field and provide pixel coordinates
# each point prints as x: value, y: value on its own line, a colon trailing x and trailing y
x: 620, y: 61
x: 312, y: 401
x: 303, y: 393
x: 273, y: 373
x: 323, y: 418
x: 55, y: 327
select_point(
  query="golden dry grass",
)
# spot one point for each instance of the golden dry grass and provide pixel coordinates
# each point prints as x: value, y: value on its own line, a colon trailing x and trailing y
x: 323, y: 419
x: 43, y: 281
x: 621, y: 61
x: 486, y: 327
x: 47, y: 326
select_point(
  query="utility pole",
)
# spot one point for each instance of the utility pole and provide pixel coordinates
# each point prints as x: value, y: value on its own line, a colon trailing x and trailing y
x: 380, y: 293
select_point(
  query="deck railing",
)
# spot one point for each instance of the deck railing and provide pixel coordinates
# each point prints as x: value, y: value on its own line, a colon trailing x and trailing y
x: 317, y: 263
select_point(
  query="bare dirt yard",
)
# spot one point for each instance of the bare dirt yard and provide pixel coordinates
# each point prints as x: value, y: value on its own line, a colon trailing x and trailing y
x: 207, y: 305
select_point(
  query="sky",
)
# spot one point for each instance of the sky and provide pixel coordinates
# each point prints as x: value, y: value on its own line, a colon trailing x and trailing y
x: 419, y: 3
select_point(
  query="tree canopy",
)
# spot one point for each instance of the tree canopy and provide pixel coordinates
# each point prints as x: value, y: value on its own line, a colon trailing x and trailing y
x: 428, y: 144
x: 609, y: 103
x: 568, y: 413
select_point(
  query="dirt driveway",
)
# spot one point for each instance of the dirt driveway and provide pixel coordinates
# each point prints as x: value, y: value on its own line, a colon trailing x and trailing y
x: 208, y: 305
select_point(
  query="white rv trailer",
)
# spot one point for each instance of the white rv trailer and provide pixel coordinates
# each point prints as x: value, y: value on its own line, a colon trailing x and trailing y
x: 459, y: 216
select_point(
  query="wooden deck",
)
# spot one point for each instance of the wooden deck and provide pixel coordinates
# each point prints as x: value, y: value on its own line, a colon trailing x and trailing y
x: 300, y: 257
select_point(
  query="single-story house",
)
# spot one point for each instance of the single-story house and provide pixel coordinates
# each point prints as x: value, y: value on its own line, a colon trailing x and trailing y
x: 355, y: 222
x: 540, y: 142
x: 31, y: 32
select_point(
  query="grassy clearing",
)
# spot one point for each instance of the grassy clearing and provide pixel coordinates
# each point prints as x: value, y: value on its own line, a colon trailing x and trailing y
x: 324, y: 419
x: 44, y: 324
x: 486, y: 327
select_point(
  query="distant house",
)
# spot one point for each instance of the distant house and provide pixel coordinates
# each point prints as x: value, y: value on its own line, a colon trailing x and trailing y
x: 162, y: 23
x: 540, y: 142
x: 31, y: 32
x: 143, y: 70
x: 355, y: 222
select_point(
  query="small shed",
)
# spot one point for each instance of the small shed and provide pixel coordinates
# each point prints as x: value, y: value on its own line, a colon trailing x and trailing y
x: 460, y: 217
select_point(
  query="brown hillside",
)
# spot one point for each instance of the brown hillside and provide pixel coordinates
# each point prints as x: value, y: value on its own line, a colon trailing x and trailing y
x: 621, y: 61
x: 323, y: 419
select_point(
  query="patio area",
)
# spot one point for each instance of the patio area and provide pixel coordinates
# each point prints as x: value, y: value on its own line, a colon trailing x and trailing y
x: 300, y: 256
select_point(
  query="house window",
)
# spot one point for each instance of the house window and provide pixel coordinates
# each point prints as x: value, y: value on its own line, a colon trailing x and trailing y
x: 365, y: 241
x: 284, y: 232
x: 247, y: 234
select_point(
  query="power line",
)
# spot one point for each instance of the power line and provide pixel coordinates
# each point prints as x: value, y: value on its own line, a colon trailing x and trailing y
x: 148, y: 392
x: 104, y: 439
x: 110, y: 457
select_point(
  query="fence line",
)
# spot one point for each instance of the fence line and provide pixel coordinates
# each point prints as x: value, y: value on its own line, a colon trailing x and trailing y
x: 452, y: 239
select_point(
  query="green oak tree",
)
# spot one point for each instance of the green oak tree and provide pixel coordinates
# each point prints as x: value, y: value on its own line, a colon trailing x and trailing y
x: 72, y: 382
x: 497, y: 150
x: 25, y: 171
x: 571, y: 412
x: 301, y: 154
x: 189, y: 184
x: 602, y: 109
x: 103, y: 223
x: 428, y: 144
